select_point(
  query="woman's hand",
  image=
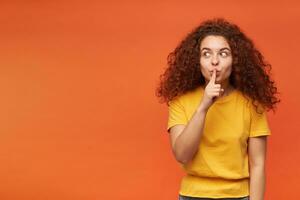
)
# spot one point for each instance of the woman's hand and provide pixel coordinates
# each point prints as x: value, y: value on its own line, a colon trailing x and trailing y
x: 212, y: 92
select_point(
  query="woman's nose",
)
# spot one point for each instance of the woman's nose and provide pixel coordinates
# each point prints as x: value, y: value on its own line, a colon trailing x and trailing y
x: 214, y: 60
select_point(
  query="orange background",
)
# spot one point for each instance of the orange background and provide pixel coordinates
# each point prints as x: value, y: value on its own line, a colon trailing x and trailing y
x: 79, y: 116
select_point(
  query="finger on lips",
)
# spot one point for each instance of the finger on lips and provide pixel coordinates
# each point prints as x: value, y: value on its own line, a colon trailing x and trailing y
x: 213, y: 77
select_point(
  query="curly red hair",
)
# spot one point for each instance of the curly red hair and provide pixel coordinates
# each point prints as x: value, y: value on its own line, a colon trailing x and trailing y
x: 250, y: 72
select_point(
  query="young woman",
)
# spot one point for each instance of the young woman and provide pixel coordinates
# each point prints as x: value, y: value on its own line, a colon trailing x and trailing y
x: 218, y: 89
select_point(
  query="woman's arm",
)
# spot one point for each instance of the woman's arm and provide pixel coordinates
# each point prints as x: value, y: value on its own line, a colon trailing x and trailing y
x: 185, y: 139
x: 257, y: 156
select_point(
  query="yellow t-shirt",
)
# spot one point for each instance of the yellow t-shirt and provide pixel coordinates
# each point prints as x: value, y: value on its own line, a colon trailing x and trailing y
x: 220, y: 167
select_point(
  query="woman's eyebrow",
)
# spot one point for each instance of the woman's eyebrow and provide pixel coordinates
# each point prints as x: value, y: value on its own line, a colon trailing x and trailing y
x: 225, y: 48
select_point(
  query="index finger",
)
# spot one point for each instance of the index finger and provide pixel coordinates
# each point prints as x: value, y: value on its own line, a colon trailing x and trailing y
x: 213, y: 77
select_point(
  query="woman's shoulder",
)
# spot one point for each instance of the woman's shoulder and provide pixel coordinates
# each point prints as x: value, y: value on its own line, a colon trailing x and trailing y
x: 243, y: 96
x: 189, y: 96
x: 192, y: 94
x: 248, y: 101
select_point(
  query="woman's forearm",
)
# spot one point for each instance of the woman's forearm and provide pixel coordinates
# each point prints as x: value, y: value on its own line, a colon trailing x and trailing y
x: 257, y: 182
x: 187, y: 143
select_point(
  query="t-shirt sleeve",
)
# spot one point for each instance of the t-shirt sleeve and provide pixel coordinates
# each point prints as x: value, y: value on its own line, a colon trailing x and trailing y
x: 259, y: 124
x: 177, y: 113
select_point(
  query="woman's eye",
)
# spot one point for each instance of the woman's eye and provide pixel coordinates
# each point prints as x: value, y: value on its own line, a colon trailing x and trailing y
x: 224, y: 54
x: 206, y: 54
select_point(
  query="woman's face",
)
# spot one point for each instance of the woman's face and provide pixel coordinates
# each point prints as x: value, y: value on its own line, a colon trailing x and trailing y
x: 215, y: 53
